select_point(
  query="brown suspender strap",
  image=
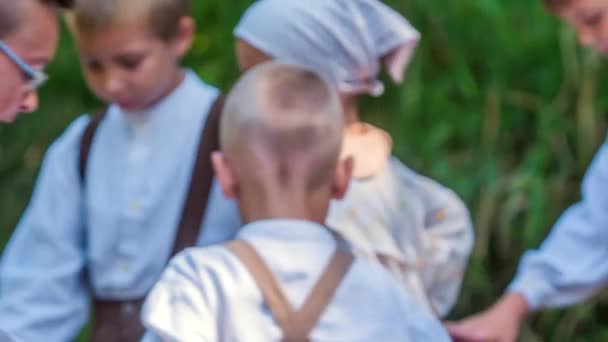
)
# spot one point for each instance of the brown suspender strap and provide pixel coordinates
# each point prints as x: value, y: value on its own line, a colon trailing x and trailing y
x: 195, y: 206
x: 86, y: 142
x: 296, y: 325
x: 118, y: 320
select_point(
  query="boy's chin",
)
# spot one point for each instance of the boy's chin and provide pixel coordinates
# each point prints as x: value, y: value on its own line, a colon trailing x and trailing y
x: 131, y: 106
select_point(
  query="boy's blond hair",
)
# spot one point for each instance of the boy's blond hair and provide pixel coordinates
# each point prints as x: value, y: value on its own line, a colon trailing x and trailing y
x: 284, y: 124
x: 162, y: 16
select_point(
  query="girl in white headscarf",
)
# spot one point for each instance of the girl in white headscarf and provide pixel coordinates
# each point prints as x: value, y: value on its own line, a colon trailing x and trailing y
x: 420, y: 231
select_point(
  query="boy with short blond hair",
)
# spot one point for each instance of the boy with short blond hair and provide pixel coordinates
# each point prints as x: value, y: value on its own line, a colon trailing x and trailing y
x: 162, y: 16
x: 285, y: 277
x: 415, y: 227
x: 118, y: 194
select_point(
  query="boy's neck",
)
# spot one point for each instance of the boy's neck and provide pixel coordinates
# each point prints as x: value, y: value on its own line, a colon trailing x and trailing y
x: 178, y: 78
x: 283, y: 204
x: 351, y: 109
x: 171, y: 87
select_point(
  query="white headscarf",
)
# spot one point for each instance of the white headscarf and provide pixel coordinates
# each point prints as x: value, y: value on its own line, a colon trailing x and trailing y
x: 344, y: 40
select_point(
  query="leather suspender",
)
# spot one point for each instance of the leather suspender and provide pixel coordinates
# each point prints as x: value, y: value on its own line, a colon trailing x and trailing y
x: 119, y: 320
x: 195, y: 206
x: 295, y: 325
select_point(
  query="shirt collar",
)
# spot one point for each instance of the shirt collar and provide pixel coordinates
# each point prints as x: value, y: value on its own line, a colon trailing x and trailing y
x: 166, y: 108
x: 287, y: 230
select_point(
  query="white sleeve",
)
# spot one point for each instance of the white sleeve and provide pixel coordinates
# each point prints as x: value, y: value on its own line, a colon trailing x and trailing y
x: 184, y: 304
x: 570, y: 265
x: 42, y: 293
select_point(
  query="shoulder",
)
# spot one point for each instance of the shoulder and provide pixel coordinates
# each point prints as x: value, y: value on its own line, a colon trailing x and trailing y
x: 384, y: 296
x: 376, y: 280
x: 204, y: 91
x: 67, y: 145
x: 72, y: 134
x: 433, y: 193
x: 200, y: 259
x: 201, y: 265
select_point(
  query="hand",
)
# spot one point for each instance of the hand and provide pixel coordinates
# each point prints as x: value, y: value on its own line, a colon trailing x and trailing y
x: 499, y: 323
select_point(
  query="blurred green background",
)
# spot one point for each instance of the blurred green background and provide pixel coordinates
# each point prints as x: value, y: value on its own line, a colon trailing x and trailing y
x: 500, y: 104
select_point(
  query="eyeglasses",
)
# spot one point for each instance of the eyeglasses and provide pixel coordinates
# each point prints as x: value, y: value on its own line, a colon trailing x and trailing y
x: 35, y: 78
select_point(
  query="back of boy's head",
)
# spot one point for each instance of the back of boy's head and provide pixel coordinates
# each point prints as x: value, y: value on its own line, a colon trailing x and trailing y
x: 161, y: 16
x: 283, y: 124
x: 11, y: 15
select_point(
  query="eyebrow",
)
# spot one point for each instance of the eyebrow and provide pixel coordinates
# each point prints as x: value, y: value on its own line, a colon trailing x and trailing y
x: 128, y: 54
x: 586, y: 13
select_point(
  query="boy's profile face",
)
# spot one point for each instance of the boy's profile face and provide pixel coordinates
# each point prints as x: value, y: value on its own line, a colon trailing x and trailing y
x: 590, y: 19
x: 128, y: 65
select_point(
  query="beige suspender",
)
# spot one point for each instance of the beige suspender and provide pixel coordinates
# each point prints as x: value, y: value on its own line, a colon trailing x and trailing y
x: 295, y: 325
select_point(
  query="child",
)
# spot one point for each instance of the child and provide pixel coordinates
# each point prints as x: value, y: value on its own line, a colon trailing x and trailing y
x: 418, y: 229
x: 285, y: 277
x: 570, y: 266
x: 102, y: 224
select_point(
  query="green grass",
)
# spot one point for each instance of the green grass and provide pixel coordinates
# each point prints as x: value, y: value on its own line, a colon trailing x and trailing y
x: 500, y: 104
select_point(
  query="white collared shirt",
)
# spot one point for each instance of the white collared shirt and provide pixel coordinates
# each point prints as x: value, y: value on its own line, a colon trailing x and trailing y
x: 207, y: 294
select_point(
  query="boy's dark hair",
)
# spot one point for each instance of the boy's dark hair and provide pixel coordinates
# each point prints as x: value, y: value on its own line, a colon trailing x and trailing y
x: 557, y: 5
x: 162, y: 15
x: 11, y: 16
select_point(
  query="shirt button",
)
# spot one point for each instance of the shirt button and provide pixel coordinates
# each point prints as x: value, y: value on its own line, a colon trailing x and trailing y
x: 135, y: 207
x: 127, y: 247
x: 126, y: 267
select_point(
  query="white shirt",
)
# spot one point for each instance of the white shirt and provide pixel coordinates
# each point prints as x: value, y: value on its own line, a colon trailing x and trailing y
x: 121, y: 228
x: 571, y: 264
x: 207, y: 294
x: 423, y: 228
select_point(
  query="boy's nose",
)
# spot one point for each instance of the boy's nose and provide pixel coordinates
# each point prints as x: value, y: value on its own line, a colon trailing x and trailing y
x: 114, y: 85
x: 585, y: 37
x: 29, y: 102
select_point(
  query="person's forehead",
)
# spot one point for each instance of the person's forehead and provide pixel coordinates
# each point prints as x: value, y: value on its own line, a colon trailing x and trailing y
x: 36, y: 36
x: 118, y: 37
x: 583, y: 7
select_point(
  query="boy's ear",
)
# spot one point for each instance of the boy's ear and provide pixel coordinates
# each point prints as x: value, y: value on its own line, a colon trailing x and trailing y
x: 342, y: 176
x: 186, y: 29
x: 224, y: 174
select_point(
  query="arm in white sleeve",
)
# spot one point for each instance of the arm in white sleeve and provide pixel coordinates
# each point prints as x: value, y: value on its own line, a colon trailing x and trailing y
x: 571, y: 264
x: 42, y: 293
